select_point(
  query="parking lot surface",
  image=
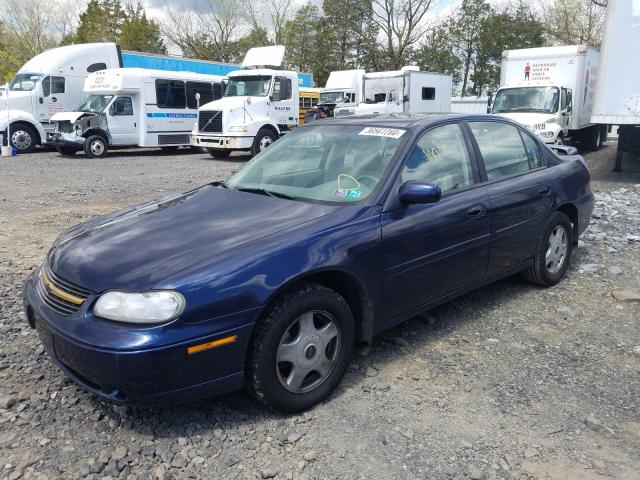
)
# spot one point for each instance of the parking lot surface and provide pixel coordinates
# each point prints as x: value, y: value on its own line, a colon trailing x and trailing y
x: 509, y: 382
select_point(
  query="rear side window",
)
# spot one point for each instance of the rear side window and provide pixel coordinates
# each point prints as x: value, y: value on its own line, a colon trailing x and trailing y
x: 170, y: 94
x: 533, y: 151
x: 502, y: 149
x: 203, y: 88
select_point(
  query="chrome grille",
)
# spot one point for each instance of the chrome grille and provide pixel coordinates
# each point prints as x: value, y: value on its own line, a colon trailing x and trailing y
x: 344, y: 113
x: 210, y: 121
x: 61, y: 296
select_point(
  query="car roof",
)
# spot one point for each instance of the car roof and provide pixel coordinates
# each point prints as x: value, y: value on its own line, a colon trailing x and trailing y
x: 404, y: 120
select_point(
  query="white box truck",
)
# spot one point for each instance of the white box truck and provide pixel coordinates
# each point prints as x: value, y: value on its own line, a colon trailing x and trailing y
x: 550, y: 90
x: 260, y: 103
x: 134, y: 107
x: 407, y: 90
x: 617, y: 100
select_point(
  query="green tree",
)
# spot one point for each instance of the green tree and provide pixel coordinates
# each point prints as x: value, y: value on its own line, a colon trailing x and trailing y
x: 302, y: 35
x: 257, y: 37
x: 102, y: 21
x: 436, y: 53
x: 140, y: 33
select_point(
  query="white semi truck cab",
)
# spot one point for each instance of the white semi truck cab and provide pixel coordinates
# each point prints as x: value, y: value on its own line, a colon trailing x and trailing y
x: 260, y: 103
x: 550, y: 91
x: 343, y: 88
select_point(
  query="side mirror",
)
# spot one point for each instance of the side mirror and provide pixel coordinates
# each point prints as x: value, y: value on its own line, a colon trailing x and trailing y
x: 569, y: 108
x: 415, y: 192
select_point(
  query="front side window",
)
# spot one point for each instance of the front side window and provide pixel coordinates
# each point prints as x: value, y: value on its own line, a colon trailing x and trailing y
x: 57, y: 85
x: 527, y: 99
x: 122, y: 106
x: 253, y: 86
x: 170, y: 94
x: 95, y: 104
x: 203, y: 88
x: 333, y: 164
x: 281, y: 89
x: 502, y: 149
x: 24, y: 82
x: 440, y: 157
x: 46, y: 86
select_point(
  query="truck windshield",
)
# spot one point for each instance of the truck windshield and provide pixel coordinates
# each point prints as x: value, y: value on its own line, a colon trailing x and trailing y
x: 333, y: 97
x: 527, y: 99
x: 333, y: 164
x: 255, y: 86
x: 95, y: 103
x: 24, y: 81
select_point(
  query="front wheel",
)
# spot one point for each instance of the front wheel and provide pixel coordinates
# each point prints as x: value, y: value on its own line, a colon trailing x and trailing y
x: 301, y: 348
x: 264, y: 138
x: 67, y: 151
x: 95, y: 146
x: 553, y: 253
x: 23, y: 138
x: 560, y: 140
x: 218, y: 152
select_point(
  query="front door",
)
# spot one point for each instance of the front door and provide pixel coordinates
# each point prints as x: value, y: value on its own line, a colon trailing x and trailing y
x: 52, y: 96
x: 283, y: 109
x: 429, y: 251
x: 121, y: 120
x: 519, y: 191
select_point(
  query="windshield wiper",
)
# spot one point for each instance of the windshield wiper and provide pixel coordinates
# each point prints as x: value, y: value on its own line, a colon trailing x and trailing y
x: 264, y: 191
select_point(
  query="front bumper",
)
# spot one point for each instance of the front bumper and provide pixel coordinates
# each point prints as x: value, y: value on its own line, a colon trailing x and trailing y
x: 58, y: 139
x: 221, y: 141
x: 150, y: 376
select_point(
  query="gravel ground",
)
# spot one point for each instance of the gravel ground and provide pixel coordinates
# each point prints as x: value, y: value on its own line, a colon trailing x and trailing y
x: 509, y: 382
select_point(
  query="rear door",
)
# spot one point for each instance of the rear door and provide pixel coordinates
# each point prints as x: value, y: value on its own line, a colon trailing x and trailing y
x: 519, y: 188
x: 429, y: 251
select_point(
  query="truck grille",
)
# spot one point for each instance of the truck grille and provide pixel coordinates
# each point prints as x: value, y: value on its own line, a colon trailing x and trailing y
x: 61, y: 296
x: 65, y: 127
x: 344, y: 113
x: 210, y: 121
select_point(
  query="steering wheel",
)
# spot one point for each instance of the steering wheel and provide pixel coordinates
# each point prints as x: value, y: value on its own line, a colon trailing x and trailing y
x: 369, y: 180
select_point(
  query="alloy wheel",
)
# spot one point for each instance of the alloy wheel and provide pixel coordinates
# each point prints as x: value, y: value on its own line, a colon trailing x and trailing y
x: 21, y: 139
x: 557, y: 246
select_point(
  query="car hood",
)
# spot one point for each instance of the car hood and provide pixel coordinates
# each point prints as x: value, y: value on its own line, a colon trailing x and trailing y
x: 136, y: 248
x: 70, y: 116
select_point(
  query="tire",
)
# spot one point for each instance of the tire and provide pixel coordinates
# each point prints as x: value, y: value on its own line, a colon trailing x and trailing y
x: 218, y: 152
x: 67, y: 151
x: 560, y: 140
x: 24, y: 138
x: 595, y: 138
x: 548, y: 271
x: 95, y: 146
x: 169, y: 149
x: 290, y: 370
x: 264, y: 138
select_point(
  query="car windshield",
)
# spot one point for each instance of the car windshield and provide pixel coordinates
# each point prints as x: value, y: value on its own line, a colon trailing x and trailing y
x: 329, y: 163
x: 332, y: 97
x: 527, y: 99
x: 24, y: 81
x: 95, y: 103
x: 255, y: 86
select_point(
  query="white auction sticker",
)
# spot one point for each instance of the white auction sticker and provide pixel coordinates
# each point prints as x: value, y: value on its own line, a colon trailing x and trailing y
x: 382, y: 132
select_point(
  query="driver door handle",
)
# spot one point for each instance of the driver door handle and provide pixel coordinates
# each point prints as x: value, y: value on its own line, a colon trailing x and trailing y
x: 544, y: 190
x: 476, y: 210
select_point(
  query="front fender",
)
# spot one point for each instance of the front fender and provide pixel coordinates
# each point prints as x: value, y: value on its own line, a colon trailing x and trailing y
x: 24, y: 117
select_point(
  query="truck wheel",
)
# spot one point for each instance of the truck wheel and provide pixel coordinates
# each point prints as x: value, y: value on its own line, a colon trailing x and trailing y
x: 264, y: 138
x: 23, y: 137
x: 218, y: 152
x: 596, y: 138
x: 95, y: 146
x: 67, y: 151
x: 300, y: 348
x: 560, y: 140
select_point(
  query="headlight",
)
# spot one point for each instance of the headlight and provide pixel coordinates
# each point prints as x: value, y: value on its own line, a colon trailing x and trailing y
x: 149, y: 307
x: 238, y: 129
x: 546, y: 134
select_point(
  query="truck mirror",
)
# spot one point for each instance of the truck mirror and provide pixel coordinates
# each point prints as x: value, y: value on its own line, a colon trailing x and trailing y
x: 197, y: 96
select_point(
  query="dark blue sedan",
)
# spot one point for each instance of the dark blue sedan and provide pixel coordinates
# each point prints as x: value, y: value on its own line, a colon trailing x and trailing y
x: 338, y: 231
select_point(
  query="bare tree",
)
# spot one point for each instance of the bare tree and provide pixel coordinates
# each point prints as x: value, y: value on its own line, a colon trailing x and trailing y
x: 270, y: 14
x: 573, y: 21
x: 205, y: 29
x: 402, y: 23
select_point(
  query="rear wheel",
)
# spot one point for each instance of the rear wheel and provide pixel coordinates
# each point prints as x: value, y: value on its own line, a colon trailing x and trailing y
x: 301, y: 348
x: 95, y: 146
x: 553, y: 253
x: 67, y: 151
x: 264, y: 138
x: 169, y: 149
x: 595, y: 138
x: 23, y: 137
x: 218, y: 152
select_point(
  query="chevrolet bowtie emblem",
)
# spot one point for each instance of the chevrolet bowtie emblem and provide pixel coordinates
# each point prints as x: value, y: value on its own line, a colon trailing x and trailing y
x: 52, y: 289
